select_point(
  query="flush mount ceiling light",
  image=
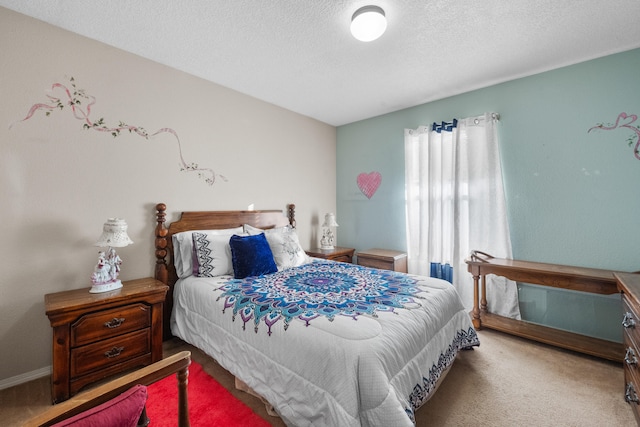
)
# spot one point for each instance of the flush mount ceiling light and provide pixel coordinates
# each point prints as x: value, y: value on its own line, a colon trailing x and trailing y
x: 368, y: 23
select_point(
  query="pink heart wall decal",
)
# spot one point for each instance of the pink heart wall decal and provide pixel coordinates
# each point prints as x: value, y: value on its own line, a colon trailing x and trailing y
x: 368, y: 183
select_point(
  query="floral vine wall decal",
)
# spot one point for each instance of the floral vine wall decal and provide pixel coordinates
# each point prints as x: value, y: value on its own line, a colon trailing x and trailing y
x: 81, y: 104
x: 368, y: 183
x: 625, y: 120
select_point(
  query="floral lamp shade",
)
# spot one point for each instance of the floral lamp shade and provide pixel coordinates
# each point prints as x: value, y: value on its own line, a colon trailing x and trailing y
x: 114, y: 234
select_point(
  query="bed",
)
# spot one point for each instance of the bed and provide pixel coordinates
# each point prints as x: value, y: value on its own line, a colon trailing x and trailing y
x: 325, y: 343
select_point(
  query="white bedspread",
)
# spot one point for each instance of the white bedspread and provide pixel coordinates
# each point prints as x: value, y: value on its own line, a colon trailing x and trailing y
x: 367, y: 371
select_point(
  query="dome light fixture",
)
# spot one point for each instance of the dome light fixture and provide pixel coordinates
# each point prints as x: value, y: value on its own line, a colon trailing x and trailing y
x: 368, y: 23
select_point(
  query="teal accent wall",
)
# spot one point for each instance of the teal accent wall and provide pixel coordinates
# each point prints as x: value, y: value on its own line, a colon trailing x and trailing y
x: 572, y: 195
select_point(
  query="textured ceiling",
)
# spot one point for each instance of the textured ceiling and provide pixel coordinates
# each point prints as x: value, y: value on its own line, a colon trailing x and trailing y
x: 298, y: 54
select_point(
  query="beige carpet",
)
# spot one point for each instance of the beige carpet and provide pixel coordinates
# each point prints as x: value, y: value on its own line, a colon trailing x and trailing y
x: 509, y: 381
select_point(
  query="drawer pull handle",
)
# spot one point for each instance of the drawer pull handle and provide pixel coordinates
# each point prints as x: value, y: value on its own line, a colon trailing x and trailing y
x: 114, y: 352
x: 630, y: 394
x: 628, y: 321
x: 114, y: 323
x: 630, y: 358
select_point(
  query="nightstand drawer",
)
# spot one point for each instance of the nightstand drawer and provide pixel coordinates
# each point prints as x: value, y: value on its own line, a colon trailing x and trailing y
x: 110, y: 323
x: 109, y: 352
x: 632, y: 393
x: 375, y: 263
x: 631, y: 357
x: 630, y: 322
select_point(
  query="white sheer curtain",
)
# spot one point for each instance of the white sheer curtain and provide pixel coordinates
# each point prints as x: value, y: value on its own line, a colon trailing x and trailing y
x: 455, y: 203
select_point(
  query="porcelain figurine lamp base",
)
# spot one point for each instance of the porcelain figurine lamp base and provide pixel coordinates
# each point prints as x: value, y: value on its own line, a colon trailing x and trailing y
x: 105, y: 287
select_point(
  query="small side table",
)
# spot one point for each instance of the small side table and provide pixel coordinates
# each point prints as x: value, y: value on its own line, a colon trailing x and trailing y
x: 335, y: 254
x: 99, y: 335
x: 384, y: 259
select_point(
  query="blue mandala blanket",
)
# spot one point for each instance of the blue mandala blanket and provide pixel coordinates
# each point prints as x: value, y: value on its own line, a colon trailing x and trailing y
x: 317, y: 289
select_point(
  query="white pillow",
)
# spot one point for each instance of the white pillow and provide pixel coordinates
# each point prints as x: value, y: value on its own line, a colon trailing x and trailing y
x: 183, y: 252
x: 284, y: 244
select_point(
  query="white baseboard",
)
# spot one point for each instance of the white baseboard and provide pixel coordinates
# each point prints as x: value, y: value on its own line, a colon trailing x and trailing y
x: 24, y: 378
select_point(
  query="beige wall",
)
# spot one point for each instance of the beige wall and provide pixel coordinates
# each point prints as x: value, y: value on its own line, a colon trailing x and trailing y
x: 59, y: 182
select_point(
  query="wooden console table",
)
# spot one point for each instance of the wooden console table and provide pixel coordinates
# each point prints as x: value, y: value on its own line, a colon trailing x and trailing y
x: 558, y: 276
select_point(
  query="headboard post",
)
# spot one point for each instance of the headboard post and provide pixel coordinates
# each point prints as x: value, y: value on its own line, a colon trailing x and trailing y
x: 162, y: 273
x: 291, y: 214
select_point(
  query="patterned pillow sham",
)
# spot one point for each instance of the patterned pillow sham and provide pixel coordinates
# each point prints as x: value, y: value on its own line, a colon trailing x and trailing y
x: 212, y: 255
x: 184, y: 253
x: 284, y: 244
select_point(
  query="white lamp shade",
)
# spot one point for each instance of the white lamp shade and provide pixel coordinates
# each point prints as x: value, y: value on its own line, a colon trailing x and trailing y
x: 114, y: 234
x: 368, y: 23
x: 330, y: 220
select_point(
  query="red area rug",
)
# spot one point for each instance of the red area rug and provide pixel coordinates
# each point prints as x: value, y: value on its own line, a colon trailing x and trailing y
x: 210, y: 404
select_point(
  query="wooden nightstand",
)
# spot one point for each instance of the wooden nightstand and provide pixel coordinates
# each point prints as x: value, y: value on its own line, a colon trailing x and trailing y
x: 335, y: 254
x: 384, y: 259
x: 98, y: 335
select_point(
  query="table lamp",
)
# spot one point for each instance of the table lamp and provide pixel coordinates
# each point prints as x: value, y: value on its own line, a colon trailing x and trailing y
x: 327, y: 231
x: 105, y: 274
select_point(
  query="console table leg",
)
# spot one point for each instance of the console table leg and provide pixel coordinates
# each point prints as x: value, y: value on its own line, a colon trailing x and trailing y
x: 483, y: 301
x: 477, y: 323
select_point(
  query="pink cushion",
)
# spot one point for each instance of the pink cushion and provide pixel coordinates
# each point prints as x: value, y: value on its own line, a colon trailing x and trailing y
x: 123, y: 410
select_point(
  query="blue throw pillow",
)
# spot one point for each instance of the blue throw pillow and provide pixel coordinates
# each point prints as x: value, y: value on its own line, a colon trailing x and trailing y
x: 251, y: 256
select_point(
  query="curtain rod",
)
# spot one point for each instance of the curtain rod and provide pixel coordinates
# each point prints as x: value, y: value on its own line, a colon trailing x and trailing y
x: 449, y: 126
x: 494, y: 116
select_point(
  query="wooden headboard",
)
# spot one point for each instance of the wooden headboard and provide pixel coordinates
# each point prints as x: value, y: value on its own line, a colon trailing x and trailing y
x: 203, y: 220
